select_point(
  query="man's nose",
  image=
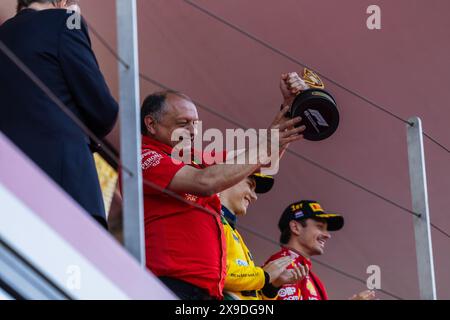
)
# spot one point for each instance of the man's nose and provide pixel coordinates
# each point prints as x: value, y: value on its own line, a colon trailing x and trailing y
x: 192, y: 128
x: 253, y: 196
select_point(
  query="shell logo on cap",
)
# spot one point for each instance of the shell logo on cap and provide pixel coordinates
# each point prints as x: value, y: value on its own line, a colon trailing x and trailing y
x: 316, y: 207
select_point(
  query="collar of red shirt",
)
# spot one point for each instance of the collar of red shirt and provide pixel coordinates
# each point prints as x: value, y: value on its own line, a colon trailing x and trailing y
x: 156, y: 145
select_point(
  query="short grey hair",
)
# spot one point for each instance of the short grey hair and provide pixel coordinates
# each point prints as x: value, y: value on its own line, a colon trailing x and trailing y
x: 155, y: 106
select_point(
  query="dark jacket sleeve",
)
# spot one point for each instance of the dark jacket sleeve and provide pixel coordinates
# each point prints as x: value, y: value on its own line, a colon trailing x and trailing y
x: 86, y: 82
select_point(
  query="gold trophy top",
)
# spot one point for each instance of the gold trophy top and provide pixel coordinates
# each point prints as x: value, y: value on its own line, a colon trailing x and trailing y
x: 312, y: 79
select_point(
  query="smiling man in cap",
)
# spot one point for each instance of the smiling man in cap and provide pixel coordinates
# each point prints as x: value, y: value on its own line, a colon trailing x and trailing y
x: 305, y: 228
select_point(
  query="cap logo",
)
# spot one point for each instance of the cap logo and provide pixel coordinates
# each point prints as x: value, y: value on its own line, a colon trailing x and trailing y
x: 296, y: 207
x: 316, y: 207
x: 298, y: 214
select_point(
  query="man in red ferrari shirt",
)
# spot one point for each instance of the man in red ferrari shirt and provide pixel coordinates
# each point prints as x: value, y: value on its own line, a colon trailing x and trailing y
x: 185, y: 245
x: 305, y: 228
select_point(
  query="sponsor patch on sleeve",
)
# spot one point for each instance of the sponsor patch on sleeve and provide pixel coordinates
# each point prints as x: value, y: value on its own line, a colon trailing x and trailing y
x: 150, y: 158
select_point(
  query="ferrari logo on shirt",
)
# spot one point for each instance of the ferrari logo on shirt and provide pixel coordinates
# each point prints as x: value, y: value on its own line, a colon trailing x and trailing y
x: 190, y: 197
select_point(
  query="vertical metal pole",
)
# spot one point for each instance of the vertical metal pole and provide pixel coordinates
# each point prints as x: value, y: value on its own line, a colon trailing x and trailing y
x: 130, y: 136
x: 419, y: 193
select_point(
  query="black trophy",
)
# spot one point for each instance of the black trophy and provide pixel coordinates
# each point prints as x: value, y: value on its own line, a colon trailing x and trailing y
x: 317, y: 108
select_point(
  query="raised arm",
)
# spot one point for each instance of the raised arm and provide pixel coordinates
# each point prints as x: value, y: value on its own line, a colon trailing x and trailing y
x: 219, y: 177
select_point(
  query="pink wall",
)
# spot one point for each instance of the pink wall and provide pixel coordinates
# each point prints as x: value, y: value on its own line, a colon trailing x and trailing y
x: 395, y: 66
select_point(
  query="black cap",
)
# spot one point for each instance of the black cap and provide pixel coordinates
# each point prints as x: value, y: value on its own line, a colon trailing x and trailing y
x: 264, y: 183
x: 307, y: 209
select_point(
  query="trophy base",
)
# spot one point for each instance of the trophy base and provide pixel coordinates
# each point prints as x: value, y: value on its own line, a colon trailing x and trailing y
x: 319, y: 112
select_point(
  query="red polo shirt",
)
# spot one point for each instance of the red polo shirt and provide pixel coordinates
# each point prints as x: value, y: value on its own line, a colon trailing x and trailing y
x: 310, y: 288
x: 182, y: 241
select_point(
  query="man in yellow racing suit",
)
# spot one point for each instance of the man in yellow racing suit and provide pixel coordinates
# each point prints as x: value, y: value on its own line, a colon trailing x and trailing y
x: 245, y: 280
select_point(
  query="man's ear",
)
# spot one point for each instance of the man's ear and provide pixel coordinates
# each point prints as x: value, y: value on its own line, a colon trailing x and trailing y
x: 295, y: 227
x: 150, y: 124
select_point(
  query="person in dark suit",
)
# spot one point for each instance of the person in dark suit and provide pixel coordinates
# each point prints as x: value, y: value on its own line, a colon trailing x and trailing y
x: 62, y: 58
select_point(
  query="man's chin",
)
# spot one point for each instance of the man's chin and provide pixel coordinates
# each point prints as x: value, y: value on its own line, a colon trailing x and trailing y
x: 319, y: 251
x: 242, y: 212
